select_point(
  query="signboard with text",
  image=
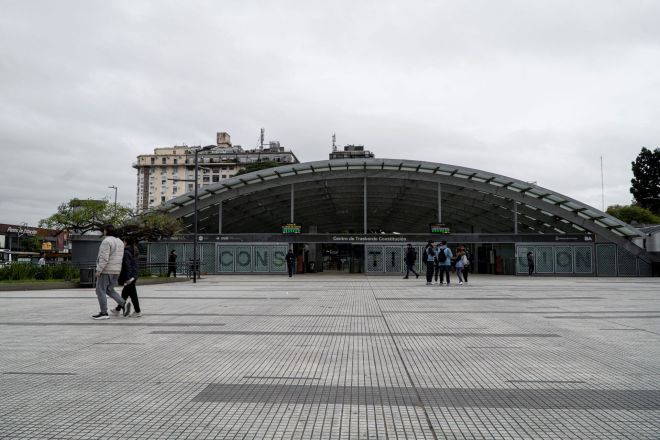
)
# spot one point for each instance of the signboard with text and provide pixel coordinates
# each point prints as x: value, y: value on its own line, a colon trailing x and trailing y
x: 439, y: 228
x: 291, y: 228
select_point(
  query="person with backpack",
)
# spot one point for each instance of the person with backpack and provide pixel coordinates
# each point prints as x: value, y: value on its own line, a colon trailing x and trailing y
x: 444, y: 257
x: 410, y: 259
x: 429, y: 259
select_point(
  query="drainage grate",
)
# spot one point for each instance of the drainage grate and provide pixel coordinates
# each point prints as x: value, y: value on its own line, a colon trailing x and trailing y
x: 486, y: 298
x: 113, y: 323
x: 441, y: 335
x: 40, y: 374
x: 438, y: 397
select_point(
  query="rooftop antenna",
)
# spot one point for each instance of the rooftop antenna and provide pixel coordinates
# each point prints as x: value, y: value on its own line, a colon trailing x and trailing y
x: 263, y: 132
x: 334, y: 143
x: 602, y: 184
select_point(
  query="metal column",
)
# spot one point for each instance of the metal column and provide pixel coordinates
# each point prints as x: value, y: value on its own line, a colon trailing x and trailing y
x: 220, y: 217
x: 292, y: 204
x: 515, y: 217
x: 365, y: 206
x: 439, y: 202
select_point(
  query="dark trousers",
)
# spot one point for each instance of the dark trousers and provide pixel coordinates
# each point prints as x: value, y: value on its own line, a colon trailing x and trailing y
x: 444, y: 269
x: 531, y: 269
x: 466, y: 271
x: 430, y: 265
x: 171, y: 269
x: 436, y: 272
x: 411, y: 268
x: 130, y: 290
x: 290, y: 268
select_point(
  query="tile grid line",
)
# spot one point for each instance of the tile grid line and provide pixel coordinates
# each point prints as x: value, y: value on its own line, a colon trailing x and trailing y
x: 403, y: 363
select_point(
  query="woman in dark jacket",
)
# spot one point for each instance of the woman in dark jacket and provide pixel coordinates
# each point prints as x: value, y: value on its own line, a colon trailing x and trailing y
x: 128, y: 277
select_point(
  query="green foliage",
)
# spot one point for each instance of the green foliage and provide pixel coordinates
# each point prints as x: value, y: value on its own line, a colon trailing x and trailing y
x: 645, y: 187
x: 82, y: 216
x: 633, y: 213
x: 30, y: 271
x: 256, y: 166
x: 151, y: 226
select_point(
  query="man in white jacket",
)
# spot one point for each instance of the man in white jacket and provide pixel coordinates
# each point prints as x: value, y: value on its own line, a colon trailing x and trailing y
x: 108, y: 266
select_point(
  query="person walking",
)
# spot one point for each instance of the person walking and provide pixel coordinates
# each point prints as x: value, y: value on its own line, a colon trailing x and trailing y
x: 530, y: 263
x: 128, y: 277
x: 444, y: 256
x: 460, y: 264
x: 171, y: 263
x: 410, y: 259
x: 108, y: 267
x: 290, y: 261
x: 467, y: 261
x: 429, y: 259
x: 436, y: 267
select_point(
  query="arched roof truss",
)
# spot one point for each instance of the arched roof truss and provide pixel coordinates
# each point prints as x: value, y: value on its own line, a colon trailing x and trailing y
x: 402, y: 197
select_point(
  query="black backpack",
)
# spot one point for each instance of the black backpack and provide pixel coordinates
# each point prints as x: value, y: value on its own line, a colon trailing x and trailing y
x: 442, y: 255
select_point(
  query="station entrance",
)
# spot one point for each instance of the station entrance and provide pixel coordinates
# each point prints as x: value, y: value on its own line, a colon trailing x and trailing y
x: 505, y: 254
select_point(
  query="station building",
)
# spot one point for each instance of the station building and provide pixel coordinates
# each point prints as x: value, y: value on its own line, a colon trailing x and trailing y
x: 357, y: 215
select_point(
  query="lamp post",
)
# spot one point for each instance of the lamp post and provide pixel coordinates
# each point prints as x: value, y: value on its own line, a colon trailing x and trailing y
x: 115, y: 208
x: 21, y: 231
x: 208, y: 147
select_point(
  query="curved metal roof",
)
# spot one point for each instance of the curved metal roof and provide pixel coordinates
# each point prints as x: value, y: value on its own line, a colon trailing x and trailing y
x: 401, y: 194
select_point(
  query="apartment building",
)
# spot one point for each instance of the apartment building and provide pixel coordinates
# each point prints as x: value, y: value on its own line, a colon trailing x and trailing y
x: 170, y: 172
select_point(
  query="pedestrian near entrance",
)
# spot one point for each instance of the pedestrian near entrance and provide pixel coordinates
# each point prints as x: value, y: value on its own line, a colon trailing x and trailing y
x: 128, y: 278
x: 444, y: 256
x: 530, y: 263
x: 436, y: 267
x: 108, y: 267
x: 460, y: 264
x: 467, y: 263
x: 290, y: 261
x: 410, y: 259
x: 171, y: 263
x: 429, y: 259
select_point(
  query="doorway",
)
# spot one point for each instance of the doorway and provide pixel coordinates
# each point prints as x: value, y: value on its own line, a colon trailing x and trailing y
x: 344, y: 257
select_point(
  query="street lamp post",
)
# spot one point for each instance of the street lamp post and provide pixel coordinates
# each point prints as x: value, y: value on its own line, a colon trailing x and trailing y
x: 208, y: 147
x: 115, y: 208
x: 21, y: 231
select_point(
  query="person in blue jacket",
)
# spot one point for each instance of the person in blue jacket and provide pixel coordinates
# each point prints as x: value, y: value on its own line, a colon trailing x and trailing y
x: 444, y: 257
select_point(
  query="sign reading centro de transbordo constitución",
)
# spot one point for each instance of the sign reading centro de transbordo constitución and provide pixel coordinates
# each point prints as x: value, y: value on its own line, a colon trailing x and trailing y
x: 439, y: 228
x: 291, y: 228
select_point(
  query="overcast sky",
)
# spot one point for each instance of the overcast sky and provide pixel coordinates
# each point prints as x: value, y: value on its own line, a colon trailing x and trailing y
x: 536, y: 90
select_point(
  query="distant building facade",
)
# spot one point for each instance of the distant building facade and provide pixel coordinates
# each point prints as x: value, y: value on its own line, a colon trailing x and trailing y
x: 17, y: 238
x: 169, y: 172
x: 351, y: 152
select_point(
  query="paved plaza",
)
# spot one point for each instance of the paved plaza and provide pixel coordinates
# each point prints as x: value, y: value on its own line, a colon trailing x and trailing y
x: 329, y: 357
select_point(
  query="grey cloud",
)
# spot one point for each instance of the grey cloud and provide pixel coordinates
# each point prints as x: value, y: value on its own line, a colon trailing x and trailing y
x: 537, y: 91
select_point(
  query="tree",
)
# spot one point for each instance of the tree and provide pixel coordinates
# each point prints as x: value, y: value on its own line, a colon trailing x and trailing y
x: 256, y: 166
x: 633, y: 213
x: 151, y: 226
x: 645, y: 187
x: 83, y: 216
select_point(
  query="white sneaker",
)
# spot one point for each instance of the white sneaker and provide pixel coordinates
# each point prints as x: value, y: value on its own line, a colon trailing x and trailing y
x: 460, y: 282
x: 136, y: 315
